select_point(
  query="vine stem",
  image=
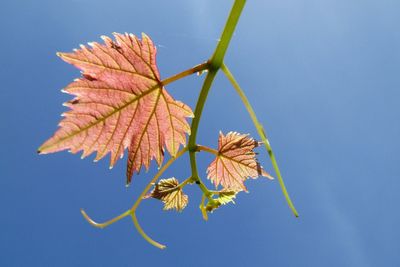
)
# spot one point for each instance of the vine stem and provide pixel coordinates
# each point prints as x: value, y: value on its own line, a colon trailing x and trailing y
x: 219, y: 53
x: 143, y: 234
x: 147, y: 188
x: 132, y: 211
x: 261, y: 133
x: 107, y: 223
x: 214, y: 65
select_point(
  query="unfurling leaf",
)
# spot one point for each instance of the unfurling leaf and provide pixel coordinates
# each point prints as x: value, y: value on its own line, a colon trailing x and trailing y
x: 120, y: 103
x: 224, y: 198
x: 169, y: 192
x: 236, y: 161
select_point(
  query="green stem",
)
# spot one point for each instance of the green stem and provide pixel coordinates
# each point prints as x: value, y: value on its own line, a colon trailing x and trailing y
x: 195, y: 125
x: 147, y: 188
x: 132, y: 211
x: 218, y: 57
x: 195, y: 69
x: 262, y: 135
x: 107, y: 223
x: 143, y: 234
x: 199, y: 109
x: 214, y: 65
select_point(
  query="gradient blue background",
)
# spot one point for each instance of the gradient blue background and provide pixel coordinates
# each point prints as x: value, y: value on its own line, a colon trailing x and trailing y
x: 324, y: 77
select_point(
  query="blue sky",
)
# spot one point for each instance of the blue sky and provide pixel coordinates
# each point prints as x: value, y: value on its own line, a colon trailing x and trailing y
x: 323, y: 77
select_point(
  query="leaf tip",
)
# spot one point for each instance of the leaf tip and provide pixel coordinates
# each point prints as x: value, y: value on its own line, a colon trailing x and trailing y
x: 243, y: 188
x: 266, y: 175
x: 144, y: 36
x: 43, y: 149
x: 128, y: 181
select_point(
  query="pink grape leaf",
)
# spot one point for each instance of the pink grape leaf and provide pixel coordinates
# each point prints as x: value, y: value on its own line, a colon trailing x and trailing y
x: 167, y: 191
x: 120, y: 102
x: 236, y: 161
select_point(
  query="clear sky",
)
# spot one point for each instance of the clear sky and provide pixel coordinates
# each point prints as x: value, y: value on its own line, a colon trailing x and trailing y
x: 324, y: 77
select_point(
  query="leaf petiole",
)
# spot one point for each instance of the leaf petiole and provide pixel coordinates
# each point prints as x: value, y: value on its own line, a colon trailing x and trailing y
x: 183, y: 74
x: 214, y: 192
x: 185, y: 182
x: 207, y: 149
x: 178, y: 187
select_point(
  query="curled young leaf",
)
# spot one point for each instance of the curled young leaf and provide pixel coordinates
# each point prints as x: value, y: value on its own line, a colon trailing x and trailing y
x: 120, y: 103
x: 236, y: 161
x: 169, y: 192
x: 224, y: 198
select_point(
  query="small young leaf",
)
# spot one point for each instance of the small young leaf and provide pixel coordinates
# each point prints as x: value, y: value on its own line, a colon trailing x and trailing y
x: 224, y: 198
x: 120, y: 103
x: 235, y: 162
x: 167, y: 191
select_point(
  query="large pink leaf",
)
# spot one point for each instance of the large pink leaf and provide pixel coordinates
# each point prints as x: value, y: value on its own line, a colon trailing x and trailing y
x: 120, y: 103
x: 235, y: 162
